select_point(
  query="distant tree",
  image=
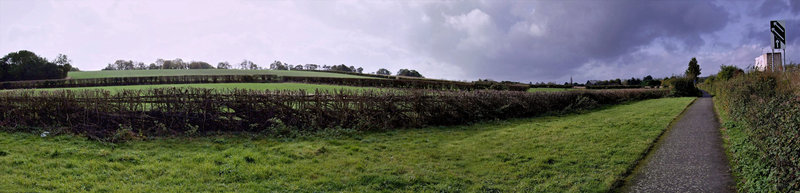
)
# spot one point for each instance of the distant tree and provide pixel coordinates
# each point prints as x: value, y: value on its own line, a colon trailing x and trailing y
x: 65, y: 63
x: 410, y: 73
x: 728, y: 72
x: 177, y: 63
x: 278, y: 65
x: 245, y: 64
x: 633, y: 81
x: 383, y: 71
x: 311, y: 66
x: 352, y: 69
x: 694, y: 69
x: 360, y: 70
x: 200, y: 65
x: 342, y: 68
x: 223, y: 65
x: 326, y: 67
x: 153, y: 66
x: 297, y: 67
x: 26, y: 65
x: 141, y: 66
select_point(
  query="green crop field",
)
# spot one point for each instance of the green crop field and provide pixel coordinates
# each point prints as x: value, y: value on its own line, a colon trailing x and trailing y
x: 586, y: 152
x: 549, y: 89
x: 132, y: 73
x: 254, y: 86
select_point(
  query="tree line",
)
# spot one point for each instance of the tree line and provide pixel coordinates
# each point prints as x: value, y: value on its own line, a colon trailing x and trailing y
x: 246, y: 65
x: 26, y: 65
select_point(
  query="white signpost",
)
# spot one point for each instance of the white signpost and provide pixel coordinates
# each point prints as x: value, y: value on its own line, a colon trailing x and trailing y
x: 778, y: 40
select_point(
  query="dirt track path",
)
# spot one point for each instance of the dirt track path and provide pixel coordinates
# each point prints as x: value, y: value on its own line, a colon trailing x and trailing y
x: 689, y: 157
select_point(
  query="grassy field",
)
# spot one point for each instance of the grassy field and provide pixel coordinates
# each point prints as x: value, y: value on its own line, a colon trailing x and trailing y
x: 255, y: 86
x: 132, y: 73
x: 570, y: 153
x: 549, y: 89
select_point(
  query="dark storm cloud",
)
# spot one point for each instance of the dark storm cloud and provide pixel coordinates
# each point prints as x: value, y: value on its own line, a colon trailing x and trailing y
x: 549, y: 40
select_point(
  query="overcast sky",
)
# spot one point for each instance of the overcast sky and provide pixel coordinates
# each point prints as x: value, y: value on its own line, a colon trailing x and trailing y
x: 528, y: 41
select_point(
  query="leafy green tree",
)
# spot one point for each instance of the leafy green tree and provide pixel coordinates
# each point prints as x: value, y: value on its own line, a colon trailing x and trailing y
x: 383, y: 71
x: 223, y: 65
x: 200, y: 65
x: 728, y: 72
x: 64, y: 62
x: 26, y: 65
x: 360, y: 70
x: 694, y: 69
x: 278, y: 65
x: 409, y: 73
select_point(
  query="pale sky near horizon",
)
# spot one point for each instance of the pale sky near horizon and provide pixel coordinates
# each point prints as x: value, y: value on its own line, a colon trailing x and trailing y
x: 527, y: 41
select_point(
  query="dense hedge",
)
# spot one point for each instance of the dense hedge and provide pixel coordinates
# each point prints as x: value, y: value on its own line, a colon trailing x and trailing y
x: 768, y: 108
x: 683, y: 87
x: 405, y: 83
x: 551, y: 86
x: 171, y: 111
x: 120, y: 81
x: 392, y: 83
x: 613, y: 86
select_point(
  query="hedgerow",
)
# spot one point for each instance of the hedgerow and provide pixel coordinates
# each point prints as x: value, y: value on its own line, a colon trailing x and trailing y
x: 172, y: 111
x: 363, y: 82
x: 764, y: 129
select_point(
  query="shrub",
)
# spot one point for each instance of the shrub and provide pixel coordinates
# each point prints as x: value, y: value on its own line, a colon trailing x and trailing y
x: 767, y: 108
x: 683, y: 87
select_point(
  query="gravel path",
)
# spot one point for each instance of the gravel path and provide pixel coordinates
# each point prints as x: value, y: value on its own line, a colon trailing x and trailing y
x: 689, y: 157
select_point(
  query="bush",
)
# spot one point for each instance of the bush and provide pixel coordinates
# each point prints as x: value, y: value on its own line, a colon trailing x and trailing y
x: 683, y: 87
x: 767, y: 108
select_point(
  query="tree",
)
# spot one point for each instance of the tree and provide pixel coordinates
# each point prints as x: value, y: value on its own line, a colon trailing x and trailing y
x: 359, y: 70
x: 278, y: 65
x: 342, y: 68
x: 153, y: 66
x: 326, y: 67
x: 223, y: 65
x: 26, y: 65
x: 297, y: 67
x: 728, y: 72
x: 311, y: 66
x: 694, y: 69
x: 383, y: 71
x: 244, y: 64
x: 200, y: 65
x: 64, y: 62
x: 410, y: 73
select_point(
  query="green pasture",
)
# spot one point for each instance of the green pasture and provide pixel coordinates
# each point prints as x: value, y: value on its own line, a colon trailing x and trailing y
x: 252, y: 86
x: 586, y: 152
x: 173, y: 72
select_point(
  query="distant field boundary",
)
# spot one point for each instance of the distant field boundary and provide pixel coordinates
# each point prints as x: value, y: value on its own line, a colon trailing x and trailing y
x: 267, y: 78
x: 173, y: 111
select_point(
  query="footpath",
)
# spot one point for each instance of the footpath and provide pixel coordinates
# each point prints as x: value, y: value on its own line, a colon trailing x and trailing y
x: 688, y: 158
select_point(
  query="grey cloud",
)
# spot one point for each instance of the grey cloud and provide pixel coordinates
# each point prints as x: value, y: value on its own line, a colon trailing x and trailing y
x: 575, y: 32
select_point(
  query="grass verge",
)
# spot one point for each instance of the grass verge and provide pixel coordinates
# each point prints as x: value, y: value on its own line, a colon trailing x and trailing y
x: 751, y: 174
x: 586, y: 152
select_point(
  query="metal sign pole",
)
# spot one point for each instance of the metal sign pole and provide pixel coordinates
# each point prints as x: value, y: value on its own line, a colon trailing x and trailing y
x: 772, y: 60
